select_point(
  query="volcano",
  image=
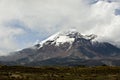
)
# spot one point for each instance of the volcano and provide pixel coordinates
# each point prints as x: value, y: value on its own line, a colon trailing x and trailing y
x: 66, y: 48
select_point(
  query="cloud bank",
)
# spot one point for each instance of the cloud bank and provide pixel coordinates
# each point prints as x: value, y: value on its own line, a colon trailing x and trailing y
x: 22, y: 22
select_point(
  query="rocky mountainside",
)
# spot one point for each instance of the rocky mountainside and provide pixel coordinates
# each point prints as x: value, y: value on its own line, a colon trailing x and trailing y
x: 66, y: 48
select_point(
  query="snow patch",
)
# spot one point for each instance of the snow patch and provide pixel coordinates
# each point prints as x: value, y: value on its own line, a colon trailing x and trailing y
x: 51, y: 38
x: 64, y: 39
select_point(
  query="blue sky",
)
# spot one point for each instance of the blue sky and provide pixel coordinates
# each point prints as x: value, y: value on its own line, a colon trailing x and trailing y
x: 23, y: 22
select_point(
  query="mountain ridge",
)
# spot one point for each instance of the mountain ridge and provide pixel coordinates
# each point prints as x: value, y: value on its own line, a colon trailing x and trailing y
x: 68, y: 46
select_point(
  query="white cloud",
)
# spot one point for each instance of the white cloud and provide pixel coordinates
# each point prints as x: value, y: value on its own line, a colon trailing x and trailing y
x: 105, y: 21
x: 51, y: 16
x: 7, y: 37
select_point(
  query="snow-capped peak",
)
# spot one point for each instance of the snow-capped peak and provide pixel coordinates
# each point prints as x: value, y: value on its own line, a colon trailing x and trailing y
x: 66, y: 37
x: 90, y: 37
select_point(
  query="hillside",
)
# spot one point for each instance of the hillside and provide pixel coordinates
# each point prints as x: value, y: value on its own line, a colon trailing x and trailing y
x: 67, y: 48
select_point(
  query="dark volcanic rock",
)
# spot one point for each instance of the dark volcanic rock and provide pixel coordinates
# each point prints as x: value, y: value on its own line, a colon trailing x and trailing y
x: 68, y: 49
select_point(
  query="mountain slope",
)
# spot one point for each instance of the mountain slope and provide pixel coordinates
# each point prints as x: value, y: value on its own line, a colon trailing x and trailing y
x: 66, y: 48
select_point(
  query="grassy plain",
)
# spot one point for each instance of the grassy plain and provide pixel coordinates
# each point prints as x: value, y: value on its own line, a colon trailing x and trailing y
x: 59, y: 73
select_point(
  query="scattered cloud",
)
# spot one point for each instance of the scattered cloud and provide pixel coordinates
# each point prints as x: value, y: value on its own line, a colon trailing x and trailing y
x: 7, y: 37
x: 22, y: 22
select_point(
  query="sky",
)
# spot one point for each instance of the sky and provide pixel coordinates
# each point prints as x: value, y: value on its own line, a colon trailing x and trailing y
x: 23, y: 22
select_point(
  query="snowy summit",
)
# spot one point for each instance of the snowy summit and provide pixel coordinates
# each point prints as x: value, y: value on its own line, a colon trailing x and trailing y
x: 68, y: 36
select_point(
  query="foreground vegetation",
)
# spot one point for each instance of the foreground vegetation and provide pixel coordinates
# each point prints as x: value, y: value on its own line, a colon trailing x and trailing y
x: 59, y: 73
